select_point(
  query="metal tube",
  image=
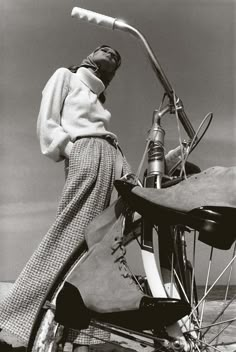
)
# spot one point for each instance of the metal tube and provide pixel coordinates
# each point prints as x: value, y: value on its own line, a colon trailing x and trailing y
x: 120, y: 25
x: 154, y: 62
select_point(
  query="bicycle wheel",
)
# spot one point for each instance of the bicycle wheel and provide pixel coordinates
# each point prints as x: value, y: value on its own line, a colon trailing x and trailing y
x: 211, y: 325
x: 46, y: 334
x: 197, y: 329
x: 182, y: 273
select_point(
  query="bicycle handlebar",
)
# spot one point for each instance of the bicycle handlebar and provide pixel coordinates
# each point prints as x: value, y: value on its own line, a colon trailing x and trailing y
x: 114, y: 23
x: 93, y: 17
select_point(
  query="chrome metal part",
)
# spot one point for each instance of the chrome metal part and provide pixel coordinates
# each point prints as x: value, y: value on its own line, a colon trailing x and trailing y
x: 121, y: 25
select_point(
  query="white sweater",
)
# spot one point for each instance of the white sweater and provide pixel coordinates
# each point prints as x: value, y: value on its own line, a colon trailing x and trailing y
x: 70, y: 108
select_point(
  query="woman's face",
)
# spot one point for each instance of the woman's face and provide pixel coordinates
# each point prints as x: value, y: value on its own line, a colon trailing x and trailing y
x: 106, y: 59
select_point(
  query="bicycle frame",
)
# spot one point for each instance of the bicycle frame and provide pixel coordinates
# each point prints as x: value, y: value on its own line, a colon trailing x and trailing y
x: 156, y: 152
x: 186, y: 334
x: 156, y: 157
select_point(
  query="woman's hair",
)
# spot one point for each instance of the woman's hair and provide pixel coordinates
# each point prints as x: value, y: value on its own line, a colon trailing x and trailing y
x: 74, y: 69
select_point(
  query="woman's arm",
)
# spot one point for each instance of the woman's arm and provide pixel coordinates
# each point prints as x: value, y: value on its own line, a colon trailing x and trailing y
x: 54, y: 141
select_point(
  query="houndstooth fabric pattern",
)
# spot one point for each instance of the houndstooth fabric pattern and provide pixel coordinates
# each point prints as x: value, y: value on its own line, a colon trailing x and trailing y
x: 86, y: 194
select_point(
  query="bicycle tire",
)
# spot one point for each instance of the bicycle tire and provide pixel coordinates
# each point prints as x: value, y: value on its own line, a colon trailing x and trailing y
x: 204, y: 335
x: 187, y: 271
x: 45, y: 314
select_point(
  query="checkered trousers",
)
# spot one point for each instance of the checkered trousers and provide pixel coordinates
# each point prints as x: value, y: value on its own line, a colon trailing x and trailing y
x: 85, y: 195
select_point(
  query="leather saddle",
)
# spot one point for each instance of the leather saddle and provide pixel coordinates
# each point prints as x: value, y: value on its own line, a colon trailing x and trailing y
x: 216, y: 224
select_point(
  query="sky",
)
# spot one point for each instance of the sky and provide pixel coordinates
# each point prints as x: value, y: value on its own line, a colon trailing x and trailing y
x: 194, y: 42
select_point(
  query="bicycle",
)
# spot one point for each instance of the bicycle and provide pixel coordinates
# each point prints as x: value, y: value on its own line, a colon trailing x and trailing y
x: 170, y: 272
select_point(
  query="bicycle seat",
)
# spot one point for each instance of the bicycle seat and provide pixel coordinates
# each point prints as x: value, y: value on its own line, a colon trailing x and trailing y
x: 214, y: 223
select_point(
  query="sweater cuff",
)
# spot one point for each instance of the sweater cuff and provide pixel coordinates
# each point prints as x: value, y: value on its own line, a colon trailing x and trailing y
x: 66, y: 149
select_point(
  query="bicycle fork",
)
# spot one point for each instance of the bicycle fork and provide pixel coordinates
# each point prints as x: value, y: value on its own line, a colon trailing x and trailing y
x: 160, y: 279
x: 153, y: 179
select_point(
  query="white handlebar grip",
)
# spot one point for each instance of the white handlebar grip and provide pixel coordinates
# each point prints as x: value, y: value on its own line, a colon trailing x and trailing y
x: 93, y: 17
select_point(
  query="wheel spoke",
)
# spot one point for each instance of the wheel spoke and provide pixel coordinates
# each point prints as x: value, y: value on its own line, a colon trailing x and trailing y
x: 213, y: 325
x: 227, y: 288
x: 221, y: 331
x: 230, y: 275
x: 206, y: 345
x: 213, y: 285
x: 221, y: 314
x: 206, y: 286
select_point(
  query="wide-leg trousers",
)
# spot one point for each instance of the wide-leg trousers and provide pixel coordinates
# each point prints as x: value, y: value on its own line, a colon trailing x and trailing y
x: 86, y: 194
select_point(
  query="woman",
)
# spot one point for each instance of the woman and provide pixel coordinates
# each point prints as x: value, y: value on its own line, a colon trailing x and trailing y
x: 72, y: 126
